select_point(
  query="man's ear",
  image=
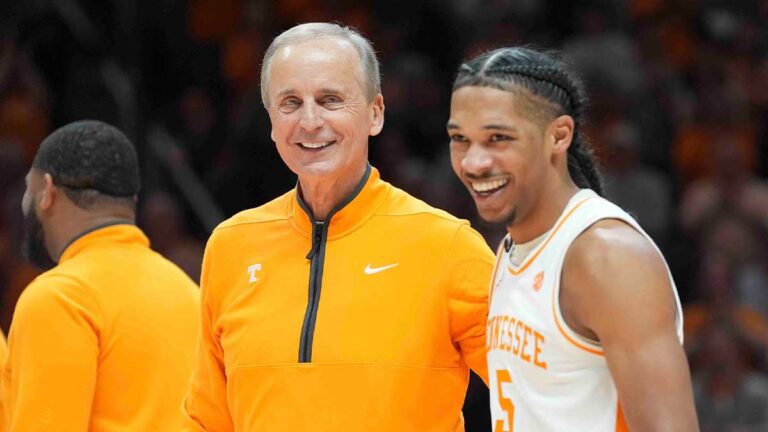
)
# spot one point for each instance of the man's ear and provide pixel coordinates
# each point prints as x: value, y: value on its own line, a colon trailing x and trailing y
x: 377, y: 115
x: 48, y: 194
x: 561, y: 133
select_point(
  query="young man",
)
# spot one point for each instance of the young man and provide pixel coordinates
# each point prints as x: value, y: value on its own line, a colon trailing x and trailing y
x: 345, y: 304
x: 103, y: 341
x: 585, y: 327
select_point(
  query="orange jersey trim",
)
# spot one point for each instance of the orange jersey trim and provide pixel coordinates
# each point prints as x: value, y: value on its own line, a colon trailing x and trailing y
x: 621, y: 422
x: 546, y: 242
x: 568, y: 337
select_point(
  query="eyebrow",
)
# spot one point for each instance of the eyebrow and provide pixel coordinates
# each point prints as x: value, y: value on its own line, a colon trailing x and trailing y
x: 486, y: 127
x: 324, y: 90
x: 331, y: 90
x: 285, y: 92
x: 500, y: 127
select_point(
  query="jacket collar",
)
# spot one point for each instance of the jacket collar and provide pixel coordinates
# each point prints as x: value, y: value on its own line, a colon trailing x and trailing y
x: 352, y: 212
x: 114, y: 232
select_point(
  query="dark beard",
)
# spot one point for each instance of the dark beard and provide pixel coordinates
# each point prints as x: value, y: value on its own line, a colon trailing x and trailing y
x: 501, y: 223
x: 33, y: 247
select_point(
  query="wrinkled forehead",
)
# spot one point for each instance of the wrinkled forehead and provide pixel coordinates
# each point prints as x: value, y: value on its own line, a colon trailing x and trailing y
x: 328, y: 58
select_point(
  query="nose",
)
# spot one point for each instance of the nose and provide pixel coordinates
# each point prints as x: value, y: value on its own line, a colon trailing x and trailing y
x: 477, y: 160
x: 311, y: 118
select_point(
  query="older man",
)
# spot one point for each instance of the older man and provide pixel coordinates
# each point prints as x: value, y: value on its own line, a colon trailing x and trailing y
x: 345, y: 304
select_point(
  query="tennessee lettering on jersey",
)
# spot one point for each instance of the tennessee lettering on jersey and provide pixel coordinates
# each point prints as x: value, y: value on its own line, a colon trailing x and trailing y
x: 543, y: 376
x: 510, y: 334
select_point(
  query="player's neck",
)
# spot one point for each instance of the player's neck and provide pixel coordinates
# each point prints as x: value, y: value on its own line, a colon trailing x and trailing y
x: 544, y: 213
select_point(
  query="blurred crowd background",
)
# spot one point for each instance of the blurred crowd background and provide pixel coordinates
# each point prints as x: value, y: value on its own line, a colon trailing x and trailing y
x: 678, y: 119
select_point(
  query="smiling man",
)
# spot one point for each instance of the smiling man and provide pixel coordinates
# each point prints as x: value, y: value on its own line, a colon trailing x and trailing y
x: 345, y: 304
x: 585, y: 327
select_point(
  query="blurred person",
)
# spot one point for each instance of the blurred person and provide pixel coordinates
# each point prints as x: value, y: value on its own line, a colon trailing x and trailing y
x: 23, y: 122
x: 732, y: 187
x: 744, y: 241
x: 345, y: 304
x: 718, y: 303
x: 637, y: 189
x: 161, y: 218
x: 416, y: 108
x: 731, y: 395
x: 721, y: 120
x: 15, y: 272
x: 104, y: 340
x: 604, y: 53
x: 585, y: 327
x: 197, y: 126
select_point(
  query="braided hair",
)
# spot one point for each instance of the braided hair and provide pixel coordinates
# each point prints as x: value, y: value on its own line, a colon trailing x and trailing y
x: 558, y: 92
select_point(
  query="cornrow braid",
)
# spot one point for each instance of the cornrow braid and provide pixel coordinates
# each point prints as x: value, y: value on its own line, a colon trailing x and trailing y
x: 546, y: 74
x: 546, y: 77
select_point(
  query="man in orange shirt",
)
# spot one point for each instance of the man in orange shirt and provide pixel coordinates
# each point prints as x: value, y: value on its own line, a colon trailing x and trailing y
x: 103, y: 341
x: 345, y: 304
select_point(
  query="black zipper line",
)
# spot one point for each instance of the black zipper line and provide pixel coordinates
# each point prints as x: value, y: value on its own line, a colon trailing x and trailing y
x: 316, y: 256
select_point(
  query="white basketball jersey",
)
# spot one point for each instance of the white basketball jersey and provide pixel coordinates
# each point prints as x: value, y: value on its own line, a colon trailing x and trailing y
x: 543, y: 376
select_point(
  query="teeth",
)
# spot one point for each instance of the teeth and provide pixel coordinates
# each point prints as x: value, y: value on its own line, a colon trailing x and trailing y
x: 485, y: 186
x: 315, y: 145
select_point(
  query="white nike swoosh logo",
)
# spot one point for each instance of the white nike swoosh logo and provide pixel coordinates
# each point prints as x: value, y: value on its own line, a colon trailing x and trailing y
x: 373, y: 270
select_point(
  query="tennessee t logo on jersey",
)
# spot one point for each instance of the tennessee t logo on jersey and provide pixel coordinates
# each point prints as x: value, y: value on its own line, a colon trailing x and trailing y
x: 538, y: 281
x: 252, y: 269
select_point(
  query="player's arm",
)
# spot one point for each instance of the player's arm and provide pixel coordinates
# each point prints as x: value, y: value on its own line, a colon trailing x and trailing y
x: 615, y: 288
x: 469, y: 266
x: 50, y: 375
x: 205, y: 405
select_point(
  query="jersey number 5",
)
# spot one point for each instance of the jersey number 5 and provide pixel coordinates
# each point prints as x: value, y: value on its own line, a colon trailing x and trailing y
x: 503, y: 377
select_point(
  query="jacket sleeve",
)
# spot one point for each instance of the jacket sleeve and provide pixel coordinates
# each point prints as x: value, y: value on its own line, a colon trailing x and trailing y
x: 50, y: 374
x: 470, y: 266
x: 205, y: 405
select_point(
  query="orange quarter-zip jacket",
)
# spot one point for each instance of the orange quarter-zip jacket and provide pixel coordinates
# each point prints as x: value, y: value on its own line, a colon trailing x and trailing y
x: 367, y: 321
x: 3, y: 348
x: 103, y: 342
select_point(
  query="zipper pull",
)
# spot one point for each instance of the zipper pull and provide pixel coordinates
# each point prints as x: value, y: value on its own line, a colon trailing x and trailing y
x: 317, y: 237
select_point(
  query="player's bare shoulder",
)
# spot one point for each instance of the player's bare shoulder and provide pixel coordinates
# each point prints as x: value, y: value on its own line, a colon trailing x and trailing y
x: 613, y: 246
x: 612, y: 270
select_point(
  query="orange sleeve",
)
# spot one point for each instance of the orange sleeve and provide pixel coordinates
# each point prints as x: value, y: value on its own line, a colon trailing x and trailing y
x: 3, y: 348
x: 53, y: 350
x: 470, y: 264
x: 205, y: 406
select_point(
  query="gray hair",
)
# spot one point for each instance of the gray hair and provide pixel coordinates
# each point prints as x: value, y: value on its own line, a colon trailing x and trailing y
x: 312, y: 31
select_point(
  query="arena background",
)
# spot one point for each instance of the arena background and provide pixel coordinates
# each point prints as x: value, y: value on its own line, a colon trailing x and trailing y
x: 678, y: 118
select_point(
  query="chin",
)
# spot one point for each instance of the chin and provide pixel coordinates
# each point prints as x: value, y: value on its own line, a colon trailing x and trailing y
x: 501, y: 219
x: 317, y: 169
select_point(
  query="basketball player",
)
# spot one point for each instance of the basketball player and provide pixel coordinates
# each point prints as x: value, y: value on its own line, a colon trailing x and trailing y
x: 585, y: 327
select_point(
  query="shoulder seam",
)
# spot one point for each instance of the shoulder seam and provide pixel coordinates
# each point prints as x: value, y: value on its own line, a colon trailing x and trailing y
x: 449, y: 217
x: 225, y: 225
x: 78, y: 281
